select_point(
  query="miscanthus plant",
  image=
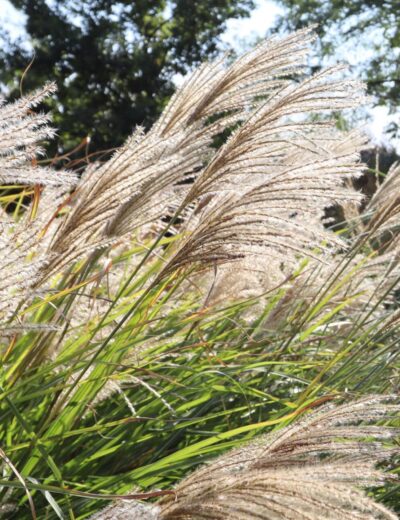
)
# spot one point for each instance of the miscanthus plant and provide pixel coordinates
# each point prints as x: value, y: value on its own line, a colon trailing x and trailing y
x: 182, y: 334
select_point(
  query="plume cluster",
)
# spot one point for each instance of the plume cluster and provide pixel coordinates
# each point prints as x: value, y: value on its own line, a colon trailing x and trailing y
x: 276, y: 169
x: 24, y: 251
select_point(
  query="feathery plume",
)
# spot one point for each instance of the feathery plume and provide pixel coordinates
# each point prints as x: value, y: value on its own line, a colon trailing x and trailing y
x: 231, y: 91
x: 275, y: 136
x: 24, y: 246
x: 315, y: 467
x: 20, y: 131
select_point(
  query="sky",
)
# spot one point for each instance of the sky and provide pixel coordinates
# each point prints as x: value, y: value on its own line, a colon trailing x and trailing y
x: 10, y: 18
x: 239, y: 34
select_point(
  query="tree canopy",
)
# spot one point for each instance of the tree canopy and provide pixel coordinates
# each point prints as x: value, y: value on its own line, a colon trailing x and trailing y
x: 114, y: 61
x: 375, y: 23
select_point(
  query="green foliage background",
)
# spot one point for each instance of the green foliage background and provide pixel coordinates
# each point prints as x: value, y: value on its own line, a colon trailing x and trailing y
x: 113, y: 61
